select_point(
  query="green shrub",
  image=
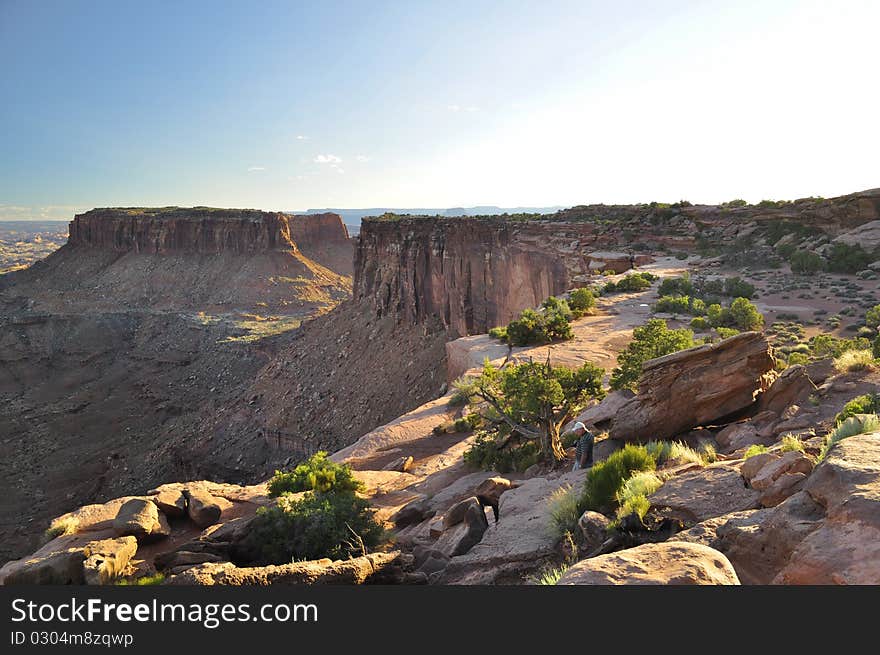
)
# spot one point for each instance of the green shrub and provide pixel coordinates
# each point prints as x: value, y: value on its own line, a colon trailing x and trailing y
x: 754, y: 449
x: 866, y: 404
x: 699, y: 323
x: 653, y: 339
x: 638, y: 505
x: 826, y: 345
x: 844, y: 258
x: 632, y: 282
x: 581, y: 301
x: 708, y: 453
x: 498, y: 333
x: 745, y: 315
x: 551, y: 324
x: 850, y: 427
x: 606, y: 478
x: 805, y: 261
x: 314, y: 526
x: 676, y: 286
x: 491, y: 452
x: 716, y: 315
x: 872, y: 317
x: 673, y: 305
x: 876, y: 347
x: 726, y: 333
x: 738, y: 288
x: 318, y: 473
x: 795, y: 358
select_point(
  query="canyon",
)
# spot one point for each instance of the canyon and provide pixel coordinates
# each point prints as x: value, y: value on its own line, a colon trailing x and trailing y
x: 163, y: 345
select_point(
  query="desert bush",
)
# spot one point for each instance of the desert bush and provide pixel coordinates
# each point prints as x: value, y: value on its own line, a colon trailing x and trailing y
x: 872, y: 317
x: 550, y: 324
x: 491, y: 452
x: 317, y: 525
x: 725, y: 332
x: 855, y: 360
x: 745, y: 315
x: 143, y: 581
x: 638, y: 505
x: 866, y: 404
x: 606, y: 478
x: 699, y: 323
x: 875, y: 349
x: 676, y: 286
x: 754, y: 449
x: 738, y: 288
x: 317, y: 473
x: 844, y: 258
x: 826, y: 345
x: 849, y: 428
x: 499, y: 333
x: 632, y: 282
x: 708, y: 453
x: 581, y: 301
x: 805, y: 261
x: 673, y: 305
x: 653, y: 339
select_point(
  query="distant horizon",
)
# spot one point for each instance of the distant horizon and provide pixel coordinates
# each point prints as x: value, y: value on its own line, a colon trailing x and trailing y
x: 383, y: 208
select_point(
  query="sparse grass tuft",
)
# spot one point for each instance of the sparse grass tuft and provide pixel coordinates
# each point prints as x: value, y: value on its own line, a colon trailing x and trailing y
x: 852, y: 426
x: 855, y: 360
x: 550, y: 576
x: 147, y: 580
x: 664, y: 451
x: 564, y: 510
x: 790, y: 443
x: 59, y: 527
x: 754, y: 449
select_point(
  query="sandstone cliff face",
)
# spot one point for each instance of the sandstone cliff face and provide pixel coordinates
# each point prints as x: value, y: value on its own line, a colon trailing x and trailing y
x: 472, y: 274
x: 204, y: 230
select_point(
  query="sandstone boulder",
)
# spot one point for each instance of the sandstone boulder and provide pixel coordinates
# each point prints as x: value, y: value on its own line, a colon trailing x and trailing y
x: 462, y: 537
x: 602, y: 413
x: 106, y: 560
x: 695, y: 387
x: 792, y: 387
x: 790, y: 462
x: 753, y: 465
x: 58, y: 568
x: 171, y: 502
x: 784, y: 486
x: 415, y: 512
x: 376, y: 567
x: 202, y: 507
x: 845, y: 548
x: 668, y: 563
x: 736, y: 436
x: 594, y: 528
x: 699, y: 495
x: 141, y: 519
x: 455, y: 514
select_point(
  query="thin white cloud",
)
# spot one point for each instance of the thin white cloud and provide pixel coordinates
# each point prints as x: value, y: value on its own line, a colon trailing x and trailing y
x: 328, y: 159
x: 458, y: 108
x: 362, y: 158
x: 453, y: 107
x: 472, y: 109
x: 302, y: 137
x: 254, y: 169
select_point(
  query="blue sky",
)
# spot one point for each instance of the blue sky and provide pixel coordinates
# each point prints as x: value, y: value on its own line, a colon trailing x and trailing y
x: 287, y: 105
